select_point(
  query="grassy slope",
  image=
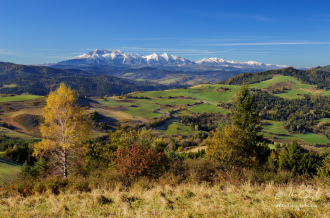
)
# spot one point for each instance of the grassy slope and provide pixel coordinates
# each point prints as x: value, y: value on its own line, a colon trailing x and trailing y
x: 298, y: 87
x: 13, y: 134
x: 23, y: 97
x: 207, y: 107
x: 186, y: 200
x: 8, y: 170
x: 179, y: 128
x: 143, y: 107
x: 276, y: 127
x: 312, y: 138
x: 206, y: 93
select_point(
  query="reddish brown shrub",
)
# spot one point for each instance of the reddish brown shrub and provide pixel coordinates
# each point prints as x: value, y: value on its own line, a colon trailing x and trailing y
x: 137, y: 161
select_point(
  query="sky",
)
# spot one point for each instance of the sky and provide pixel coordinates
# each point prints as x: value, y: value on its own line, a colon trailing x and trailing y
x: 291, y: 32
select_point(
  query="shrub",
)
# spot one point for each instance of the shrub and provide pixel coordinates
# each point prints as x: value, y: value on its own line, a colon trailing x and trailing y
x: 37, y: 170
x: 137, y: 161
x: 199, y: 170
x: 324, y: 170
x: 227, y: 149
x: 298, y: 160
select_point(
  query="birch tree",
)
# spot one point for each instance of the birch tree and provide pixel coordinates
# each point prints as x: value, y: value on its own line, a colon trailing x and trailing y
x: 65, y: 127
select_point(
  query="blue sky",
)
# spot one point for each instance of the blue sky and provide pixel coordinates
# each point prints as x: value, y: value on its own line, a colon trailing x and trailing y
x: 290, y: 32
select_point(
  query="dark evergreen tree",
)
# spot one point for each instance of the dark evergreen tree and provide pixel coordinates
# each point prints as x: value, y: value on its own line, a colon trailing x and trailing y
x: 245, y: 117
x: 298, y: 160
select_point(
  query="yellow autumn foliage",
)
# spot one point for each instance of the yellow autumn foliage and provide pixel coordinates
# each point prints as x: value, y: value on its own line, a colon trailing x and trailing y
x: 65, y: 126
x: 227, y: 148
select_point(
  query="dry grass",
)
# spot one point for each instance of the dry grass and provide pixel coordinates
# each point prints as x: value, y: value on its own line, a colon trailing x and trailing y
x: 185, y: 200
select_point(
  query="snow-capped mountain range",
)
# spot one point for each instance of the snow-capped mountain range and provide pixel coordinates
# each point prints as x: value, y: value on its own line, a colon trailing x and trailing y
x: 118, y: 58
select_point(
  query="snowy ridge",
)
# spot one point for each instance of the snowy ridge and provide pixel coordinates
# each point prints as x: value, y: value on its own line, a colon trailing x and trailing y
x: 117, y: 57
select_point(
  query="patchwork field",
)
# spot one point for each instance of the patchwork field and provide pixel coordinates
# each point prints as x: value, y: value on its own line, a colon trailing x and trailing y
x: 148, y: 107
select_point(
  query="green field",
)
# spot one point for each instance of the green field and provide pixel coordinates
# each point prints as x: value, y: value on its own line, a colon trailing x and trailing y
x: 13, y: 134
x: 144, y: 107
x: 275, y: 128
x: 23, y: 97
x: 293, y: 94
x: 278, y: 79
x: 324, y: 120
x: 207, y: 108
x: 297, y: 91
x: 179, y: 129
x: 325, y: 93
x: 206, y: 93
x: 312, y: 138
x: 8, y: 169
x: 272, y: 131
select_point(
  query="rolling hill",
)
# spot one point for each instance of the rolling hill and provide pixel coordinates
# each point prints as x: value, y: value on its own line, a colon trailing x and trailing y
x: 292, y: 104
x: 39, y: 80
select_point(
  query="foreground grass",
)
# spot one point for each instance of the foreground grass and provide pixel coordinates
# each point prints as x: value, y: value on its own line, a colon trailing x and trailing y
x: 185, y: 200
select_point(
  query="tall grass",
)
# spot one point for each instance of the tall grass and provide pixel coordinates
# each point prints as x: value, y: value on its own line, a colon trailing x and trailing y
x: 149, y: 199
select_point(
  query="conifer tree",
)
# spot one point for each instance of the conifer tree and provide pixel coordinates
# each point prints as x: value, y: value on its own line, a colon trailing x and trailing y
x: 245, y: 117
x: 239, y: 144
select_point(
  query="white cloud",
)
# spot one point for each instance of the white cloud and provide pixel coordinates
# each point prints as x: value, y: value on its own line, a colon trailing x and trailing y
x: 268, y: 43
x: 7, y: 52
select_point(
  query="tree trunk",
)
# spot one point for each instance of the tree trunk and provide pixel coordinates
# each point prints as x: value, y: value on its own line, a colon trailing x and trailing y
x: 65, y: 168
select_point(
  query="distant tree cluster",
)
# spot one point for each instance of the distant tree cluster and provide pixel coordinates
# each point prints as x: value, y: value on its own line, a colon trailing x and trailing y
x: 205, y: 121
x: 298, y: 115
x: 18, y: 150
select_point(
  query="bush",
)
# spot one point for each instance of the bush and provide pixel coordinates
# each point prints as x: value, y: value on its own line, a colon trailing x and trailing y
x: 298, y: 160
x: 137, y: 161
x: 190, y: 170
x: 37, y: 170
x: 199, y: 170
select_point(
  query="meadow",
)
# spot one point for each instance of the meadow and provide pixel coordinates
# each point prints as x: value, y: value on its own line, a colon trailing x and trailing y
x: 186, y: 200
x: 9, y: 170
x: 22, y: 97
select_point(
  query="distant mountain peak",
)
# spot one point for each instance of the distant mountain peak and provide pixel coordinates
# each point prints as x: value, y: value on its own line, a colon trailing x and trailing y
x: 100, y: 51
x: 117, y: 52
x: 164, y: 61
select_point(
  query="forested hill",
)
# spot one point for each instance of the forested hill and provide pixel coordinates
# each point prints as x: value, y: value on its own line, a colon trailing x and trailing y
x: 39, y: 80
x: 314, y: 76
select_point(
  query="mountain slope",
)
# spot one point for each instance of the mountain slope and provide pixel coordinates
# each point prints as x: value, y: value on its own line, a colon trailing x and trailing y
x: 17, y: 79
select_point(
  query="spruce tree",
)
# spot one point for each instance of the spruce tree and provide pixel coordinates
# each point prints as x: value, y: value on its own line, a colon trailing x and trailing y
x: 245, y: 117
